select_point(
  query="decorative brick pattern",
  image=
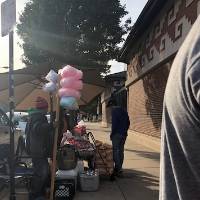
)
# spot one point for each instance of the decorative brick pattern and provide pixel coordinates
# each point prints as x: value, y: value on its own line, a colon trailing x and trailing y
x: 167, y: 32
x: 133, y: 68
x: 160, y: 41
x: 146, y: 100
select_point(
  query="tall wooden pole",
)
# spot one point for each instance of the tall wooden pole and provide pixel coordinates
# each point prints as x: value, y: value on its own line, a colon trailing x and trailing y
x: 53, y: 168
x: 51, y: 108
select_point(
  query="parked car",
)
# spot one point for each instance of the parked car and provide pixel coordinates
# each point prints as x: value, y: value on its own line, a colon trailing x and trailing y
x: 4, y: 128
x: 4, y: 123
x: 20, y: 121
x: 5, y: 144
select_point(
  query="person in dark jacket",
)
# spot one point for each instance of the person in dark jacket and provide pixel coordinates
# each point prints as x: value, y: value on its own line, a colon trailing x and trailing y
x: 120, y: 126
x: 39, y: 129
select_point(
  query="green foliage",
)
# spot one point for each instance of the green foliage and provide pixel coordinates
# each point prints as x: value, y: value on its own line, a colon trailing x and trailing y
x: 78, y: 32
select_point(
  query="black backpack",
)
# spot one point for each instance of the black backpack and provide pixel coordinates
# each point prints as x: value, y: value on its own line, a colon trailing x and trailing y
x: 66, y: 157
x: 28, y: 132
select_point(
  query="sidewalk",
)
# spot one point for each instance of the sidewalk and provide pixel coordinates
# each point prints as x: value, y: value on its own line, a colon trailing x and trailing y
x: 141, y: 173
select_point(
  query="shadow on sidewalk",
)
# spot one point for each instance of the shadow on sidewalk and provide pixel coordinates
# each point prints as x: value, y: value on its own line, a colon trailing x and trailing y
x: 146, y: 154
x: 138, y: 185
x: 135, y: 185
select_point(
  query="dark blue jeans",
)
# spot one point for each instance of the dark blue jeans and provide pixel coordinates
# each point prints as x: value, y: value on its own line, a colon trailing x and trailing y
x: 118, y: 142
x: 40, y: 178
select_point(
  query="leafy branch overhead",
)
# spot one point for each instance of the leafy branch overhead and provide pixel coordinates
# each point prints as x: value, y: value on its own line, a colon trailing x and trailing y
x: 78, y: 32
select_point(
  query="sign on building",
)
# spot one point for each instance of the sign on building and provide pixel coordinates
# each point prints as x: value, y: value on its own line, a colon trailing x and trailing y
x: 8, y: 16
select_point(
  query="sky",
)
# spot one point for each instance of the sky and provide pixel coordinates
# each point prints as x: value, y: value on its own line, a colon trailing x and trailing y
x: 134, y: 7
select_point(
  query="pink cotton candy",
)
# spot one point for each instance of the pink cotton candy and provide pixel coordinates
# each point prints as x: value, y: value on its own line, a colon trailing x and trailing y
x: 79, y: 75
x: 68, y: 71
x: 72, y: 83
x: 67, y: 92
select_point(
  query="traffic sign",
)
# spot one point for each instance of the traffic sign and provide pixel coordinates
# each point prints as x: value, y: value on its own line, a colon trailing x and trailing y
x: 8, y: 16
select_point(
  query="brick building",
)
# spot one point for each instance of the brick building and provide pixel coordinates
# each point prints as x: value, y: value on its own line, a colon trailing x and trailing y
x: 149, y: 52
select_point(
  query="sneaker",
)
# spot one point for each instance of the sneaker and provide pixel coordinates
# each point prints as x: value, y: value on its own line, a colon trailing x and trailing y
x: 112, y: 177
x: 120, y: 174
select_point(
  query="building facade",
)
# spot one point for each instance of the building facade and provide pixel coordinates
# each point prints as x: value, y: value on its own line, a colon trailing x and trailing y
x: 114, y: 87
x: 149, y: 52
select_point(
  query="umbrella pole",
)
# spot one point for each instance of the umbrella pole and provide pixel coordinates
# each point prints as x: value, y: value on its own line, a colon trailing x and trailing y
x: 53, y: 168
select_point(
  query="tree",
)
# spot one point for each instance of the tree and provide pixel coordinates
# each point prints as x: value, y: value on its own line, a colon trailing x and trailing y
x: 78, y: 32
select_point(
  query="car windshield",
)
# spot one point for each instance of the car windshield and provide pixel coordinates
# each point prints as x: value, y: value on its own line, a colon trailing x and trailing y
x: 4, y: 119
x: 19, y: 116
x: 23, y: 118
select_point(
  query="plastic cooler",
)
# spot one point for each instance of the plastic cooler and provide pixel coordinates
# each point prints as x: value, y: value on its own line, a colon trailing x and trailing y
x: 89, y: 181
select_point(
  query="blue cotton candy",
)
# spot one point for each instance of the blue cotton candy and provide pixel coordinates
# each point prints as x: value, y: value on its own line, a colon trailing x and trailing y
x: 69, y: 103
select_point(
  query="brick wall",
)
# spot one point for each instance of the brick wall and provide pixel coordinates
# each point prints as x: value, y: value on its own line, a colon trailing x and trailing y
x: 159, y: 43
x: 163, y: 37
x: 145, y: 102
x: 106, y: 115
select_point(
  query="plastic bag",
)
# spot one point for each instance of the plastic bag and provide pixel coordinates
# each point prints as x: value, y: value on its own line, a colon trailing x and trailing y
x: 81, y: 124
x: 50, y: 87
x: 52, y: 76
x: 66, y: 136
x: 72, y: 83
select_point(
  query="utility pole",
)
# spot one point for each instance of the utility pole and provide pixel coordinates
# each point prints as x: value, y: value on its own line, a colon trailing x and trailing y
x: 12, y: 106
x: 8, y: 20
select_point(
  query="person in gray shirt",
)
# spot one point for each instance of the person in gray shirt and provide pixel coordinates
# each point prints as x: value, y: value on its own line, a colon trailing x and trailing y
x: 180, y: 132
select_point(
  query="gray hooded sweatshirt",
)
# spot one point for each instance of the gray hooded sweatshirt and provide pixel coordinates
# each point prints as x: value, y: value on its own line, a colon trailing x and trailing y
x: 180, y: 134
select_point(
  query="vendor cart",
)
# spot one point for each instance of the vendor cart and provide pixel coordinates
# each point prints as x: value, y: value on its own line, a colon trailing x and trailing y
x: 99, y: 153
